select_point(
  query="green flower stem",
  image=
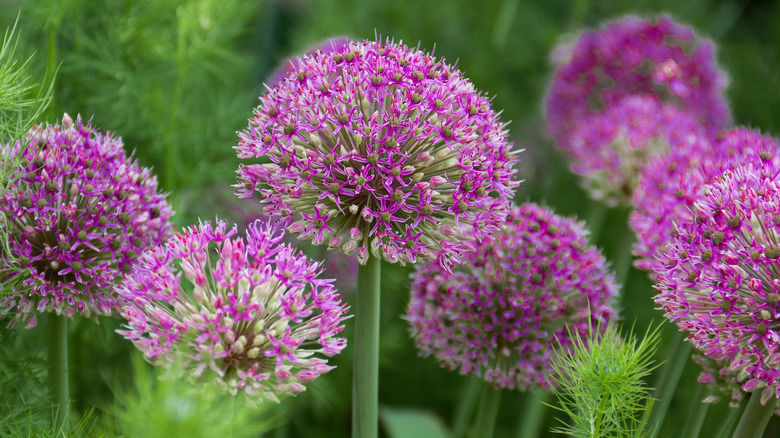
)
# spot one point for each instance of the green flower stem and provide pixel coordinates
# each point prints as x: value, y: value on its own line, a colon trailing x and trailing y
x: 754, y: 418
x: 488, y: 412
x: 534, y: 410
x: 58, y: 368
x: 365, y: 382
x: 623, y: 256
x: 467, y: 402
x: 698, y: 412
x: 666, y: 384
x: 728, y: 425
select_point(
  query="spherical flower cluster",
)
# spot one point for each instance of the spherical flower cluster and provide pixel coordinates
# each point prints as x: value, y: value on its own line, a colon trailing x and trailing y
x: 719, y: 277
x: 79, y: 212
x: 511, y: 307
x: 376, y: 148
x: 611, y: 149
x: 633, y: 56
x: 716, y: 375
x: 293, y: 64
x: 250, y: 315
x: 672, y: 183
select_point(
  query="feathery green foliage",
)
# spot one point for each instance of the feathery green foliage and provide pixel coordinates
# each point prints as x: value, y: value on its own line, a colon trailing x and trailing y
x: 22, y: 103
x: 600, y: 384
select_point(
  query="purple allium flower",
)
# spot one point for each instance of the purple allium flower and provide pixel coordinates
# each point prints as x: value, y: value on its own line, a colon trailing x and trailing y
x: 503, y: 314
x: 671, y: 184
x: 293, y: 64
x: 633, y: 56
x: 716, y: 375
x: 719, y: 277
x: 79, y: 213
x: 610, y: 149
x: 379, y: 148
x: 251, y: 315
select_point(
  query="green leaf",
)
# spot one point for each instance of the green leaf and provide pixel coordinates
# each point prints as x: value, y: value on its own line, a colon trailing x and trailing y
x: 412, y: 423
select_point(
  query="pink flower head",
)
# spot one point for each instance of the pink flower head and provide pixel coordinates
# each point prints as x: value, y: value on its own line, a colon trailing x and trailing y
x: 672, y: 183
x: 611, y: 149
x: 508, y: 310
x: 251, y: 314
x: 633, y: 56
x: 384, y: 139
x: 716, y: 375
x: 718, y: 277
x: 293, y: 64
x: 79, y: 212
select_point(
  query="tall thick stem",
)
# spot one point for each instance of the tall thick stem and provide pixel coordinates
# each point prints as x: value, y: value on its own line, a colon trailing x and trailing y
x: 488, y: 412
x: 755, y: 417
x: 365, y: 382
x: 534, y: 410
x: 666, y: 385
x: 58, y: 368
x: 697, y: 414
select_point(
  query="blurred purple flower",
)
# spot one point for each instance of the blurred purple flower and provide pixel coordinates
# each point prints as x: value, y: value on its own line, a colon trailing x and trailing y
x: 254, y: 316
x: 611, y: 149
x: 504, y: 313
x: 719, y: 277
x: 633, y: 56
x: 79, y: 213
x: 379, y: 148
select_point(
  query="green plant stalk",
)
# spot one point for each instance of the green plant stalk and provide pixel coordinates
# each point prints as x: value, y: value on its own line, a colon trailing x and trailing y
x: 754, y: 418
x: 467, y: 402
x: 697, y: 414
x: 58, y: 369
x: 487, y: 413
x: 534, y: 410
x: 728, y: 425
x: 666, y: 385
x: 365, y: 382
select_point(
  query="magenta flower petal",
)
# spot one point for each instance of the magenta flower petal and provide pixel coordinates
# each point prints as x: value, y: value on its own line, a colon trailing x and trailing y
x: 503, y: 314
x: 256, y: 319
x: 380, y: 138
x: 79, y: 212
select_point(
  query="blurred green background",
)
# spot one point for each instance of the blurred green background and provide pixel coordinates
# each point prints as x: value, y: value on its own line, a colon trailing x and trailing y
x: 177, y: 79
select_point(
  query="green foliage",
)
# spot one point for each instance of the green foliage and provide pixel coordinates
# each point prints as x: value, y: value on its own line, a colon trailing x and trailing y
x: 149, y: 407
x: 22, y: 103
x: 600, y: 384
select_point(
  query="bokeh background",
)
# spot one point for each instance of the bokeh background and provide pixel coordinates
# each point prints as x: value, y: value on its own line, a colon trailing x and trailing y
x: 177, y: 78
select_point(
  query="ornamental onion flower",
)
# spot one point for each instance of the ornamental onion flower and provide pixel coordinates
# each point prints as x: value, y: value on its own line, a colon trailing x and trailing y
x: 633, y: 56
x: 378, y: 148
x: 79, y: 213
x: 718, y: 277
x: 671, y: 184
x: 294, y: 63
x: 511, y: 307
x: 611, y: 149
x: 716, y: 375
x: 254, y: 316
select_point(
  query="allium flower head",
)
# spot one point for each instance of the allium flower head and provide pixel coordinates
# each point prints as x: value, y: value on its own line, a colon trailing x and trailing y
x: 504, y: 313
x: 253, y: 315
x: 719, y: 277
x: 378, y: 148
x: 79, y: 213
x: 633, y: 56
x: 716, y: 375
x: 611, y: 149
x: 672, y: 183
x: 294, y: 63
